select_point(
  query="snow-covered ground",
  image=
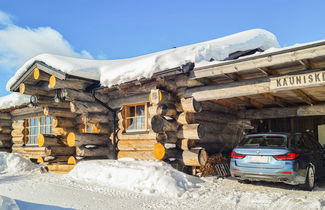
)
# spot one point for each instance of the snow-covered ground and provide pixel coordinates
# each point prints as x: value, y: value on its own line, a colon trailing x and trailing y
x: 103, y: 184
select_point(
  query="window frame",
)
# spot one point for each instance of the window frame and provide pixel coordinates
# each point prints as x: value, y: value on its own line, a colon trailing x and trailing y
x: 126, y: 117
x: 41, y: 125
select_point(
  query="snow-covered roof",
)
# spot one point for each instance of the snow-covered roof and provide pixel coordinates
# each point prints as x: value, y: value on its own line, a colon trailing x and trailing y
x: 13, y: 100
x: 113, y: 72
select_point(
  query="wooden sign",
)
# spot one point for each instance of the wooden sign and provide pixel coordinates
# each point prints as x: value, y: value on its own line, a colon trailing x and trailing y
x: 297, y: 81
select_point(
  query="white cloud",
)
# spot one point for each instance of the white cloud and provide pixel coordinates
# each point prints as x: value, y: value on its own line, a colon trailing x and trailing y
x: 18, y: 44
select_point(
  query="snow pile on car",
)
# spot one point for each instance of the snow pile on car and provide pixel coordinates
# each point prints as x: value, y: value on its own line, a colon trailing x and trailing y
x: 15, y: 164
x: 147, y: 177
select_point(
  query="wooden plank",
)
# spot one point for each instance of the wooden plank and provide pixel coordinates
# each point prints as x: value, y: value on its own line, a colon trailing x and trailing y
x: 251, y: 101
x: 271, y: 113
x: 270, y: 59
x: 304, y: 97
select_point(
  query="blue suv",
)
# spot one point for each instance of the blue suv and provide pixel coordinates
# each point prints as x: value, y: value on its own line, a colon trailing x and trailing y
x: 296, y: 159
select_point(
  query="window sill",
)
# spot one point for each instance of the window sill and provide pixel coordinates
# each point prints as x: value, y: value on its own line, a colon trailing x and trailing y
x: 135, y: 132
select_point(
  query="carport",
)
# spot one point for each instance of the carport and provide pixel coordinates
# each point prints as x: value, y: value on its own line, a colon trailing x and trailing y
x: 278, y: 91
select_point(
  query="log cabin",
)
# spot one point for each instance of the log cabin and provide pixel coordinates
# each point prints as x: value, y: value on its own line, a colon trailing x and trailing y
x: 182, y: 113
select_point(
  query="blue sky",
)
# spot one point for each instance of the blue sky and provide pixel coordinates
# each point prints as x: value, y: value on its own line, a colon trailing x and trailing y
x: 121, y: 29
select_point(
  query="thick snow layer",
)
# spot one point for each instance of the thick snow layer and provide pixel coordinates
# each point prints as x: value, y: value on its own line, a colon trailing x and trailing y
x: 140, y: 176
x: 13, y: 99
x: 112, y: 72
x: 15, y: 164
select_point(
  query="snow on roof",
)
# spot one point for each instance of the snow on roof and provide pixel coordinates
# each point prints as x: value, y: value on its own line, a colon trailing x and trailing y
x: 13, y: 100
x: 113, y: 72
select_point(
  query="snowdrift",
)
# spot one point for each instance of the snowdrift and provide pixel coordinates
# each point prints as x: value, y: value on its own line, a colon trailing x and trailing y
x: 140, y: 176
x: 15, y: 164
x: 8, y: 203
x: 113, y: 72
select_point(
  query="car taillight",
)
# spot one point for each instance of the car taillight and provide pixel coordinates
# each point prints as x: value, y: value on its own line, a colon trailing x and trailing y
x: 235, y: 155
x: 288, y: 156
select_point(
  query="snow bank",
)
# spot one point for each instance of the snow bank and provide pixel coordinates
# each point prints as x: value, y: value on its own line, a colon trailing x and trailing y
x: 13, y: 99
x: 140, y: 176
x: 15, y: 164
x: 8, y: 203
x: 112, y: 72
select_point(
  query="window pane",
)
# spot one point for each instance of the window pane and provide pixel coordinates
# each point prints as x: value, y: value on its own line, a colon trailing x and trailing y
x: 132, y: 111
x: 132, y: 124
x: 140, y: 110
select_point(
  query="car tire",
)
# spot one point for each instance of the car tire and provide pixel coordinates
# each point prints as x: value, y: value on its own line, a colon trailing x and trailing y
x: 310, y: 179
x: 245, y: 181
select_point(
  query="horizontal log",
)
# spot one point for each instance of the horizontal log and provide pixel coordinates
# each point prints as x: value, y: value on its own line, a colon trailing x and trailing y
x: 162, y: 153
x: 160, y: 124
x: 95, y: 118
x: 36, y: 100
x: 20, y: 140
x: 5, y: 123
x: 5, y: 137
x: 76, y: 139
x: 26, y: 110
x: 60, y: 131
x: 136, y: 144
x: 119, y: 102
x: 102, y: 128
x: 137, y: 155
x: 163, y: 109
x: 85, y: 107
x: 57, y: 112
x: 55, y: 83
x: 202, y: 131
x: 5, y: 129
x: 63, y: 122
x: 145, y: 135
x: 195, y: 157
x: 5, y: 116
x: 29, y: 151
x: 6, y: 144
x: 60, y: 151
x: 213, y: 117
x: 167, y: 137
x: 229, y: 90
x: 92, y: 152
x: 75, y: 95
x: 270, y: 113
x: 185, y: 81
x: 46, y: 140
x: 53, y: 159
x: 5, y: 150
x: 35, y: 90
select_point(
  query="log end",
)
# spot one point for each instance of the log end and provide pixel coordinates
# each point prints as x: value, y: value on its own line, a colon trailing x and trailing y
x: 71, y: 139
x: 22, y: 88
x: 203, y: 157
x: 40, y: 160
x: 40, y: 140
x: 36, y: 73
x: 159, y: 151
x: 52, y: 81
x: 72, y: 160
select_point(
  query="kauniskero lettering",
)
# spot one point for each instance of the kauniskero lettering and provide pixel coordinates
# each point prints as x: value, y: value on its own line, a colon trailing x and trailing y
x: 300, y: 80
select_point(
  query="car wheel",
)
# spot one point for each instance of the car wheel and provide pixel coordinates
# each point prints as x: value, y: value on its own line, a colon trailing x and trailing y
x: 310, y: 179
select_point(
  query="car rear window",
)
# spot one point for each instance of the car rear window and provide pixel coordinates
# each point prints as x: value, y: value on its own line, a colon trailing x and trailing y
x: 264, y: 141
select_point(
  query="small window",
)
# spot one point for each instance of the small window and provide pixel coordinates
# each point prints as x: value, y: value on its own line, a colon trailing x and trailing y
x: 40, y: 125
x: 135, y: 117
